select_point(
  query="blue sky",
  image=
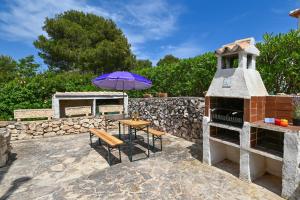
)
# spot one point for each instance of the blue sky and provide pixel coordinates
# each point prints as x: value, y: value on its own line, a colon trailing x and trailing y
x: 184, y: 28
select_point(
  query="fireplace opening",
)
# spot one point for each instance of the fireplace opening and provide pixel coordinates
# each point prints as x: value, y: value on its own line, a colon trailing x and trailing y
x: 267, y: 141
x: 225, y: 134
x: 228, y: 111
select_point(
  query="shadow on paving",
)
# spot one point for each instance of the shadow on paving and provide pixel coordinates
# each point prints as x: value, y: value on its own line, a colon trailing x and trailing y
x: 14, y: 186
x: 17, y: 182
x: 139, y: 150
x: 196, y: 151
x: 4, y: 170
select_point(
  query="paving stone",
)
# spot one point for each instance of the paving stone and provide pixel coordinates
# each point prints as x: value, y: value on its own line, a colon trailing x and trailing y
x: 66, y: 167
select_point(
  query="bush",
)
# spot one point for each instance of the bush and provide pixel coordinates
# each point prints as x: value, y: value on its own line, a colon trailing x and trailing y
x: 37, y: 92
x: 188, y: 77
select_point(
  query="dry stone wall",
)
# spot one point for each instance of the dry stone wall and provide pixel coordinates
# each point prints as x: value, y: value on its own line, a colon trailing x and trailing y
x: 180, y: 116
x: 55, y: 127
x: 4, y: 144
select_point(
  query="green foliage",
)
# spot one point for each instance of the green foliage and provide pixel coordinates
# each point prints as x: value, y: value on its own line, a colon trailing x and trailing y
x: 296, y: 114
x: 36, y: 92
x: 27, y: 67
x: 7, y: 69
x: 84, y: 42
x: 188, y: 77
x: 143, y: 64
x: 279, y: 62
x: 168, y: 59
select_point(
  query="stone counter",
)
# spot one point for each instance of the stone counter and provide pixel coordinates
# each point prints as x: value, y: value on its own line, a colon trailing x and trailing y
x: 180, y: 116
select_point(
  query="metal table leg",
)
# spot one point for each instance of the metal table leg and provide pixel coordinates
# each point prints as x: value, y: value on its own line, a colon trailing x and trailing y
x: 148, y: 141
x: 130, y: 144
x: 120, y: 130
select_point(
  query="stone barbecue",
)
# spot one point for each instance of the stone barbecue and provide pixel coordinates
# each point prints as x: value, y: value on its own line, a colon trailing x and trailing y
x: 233, y: 129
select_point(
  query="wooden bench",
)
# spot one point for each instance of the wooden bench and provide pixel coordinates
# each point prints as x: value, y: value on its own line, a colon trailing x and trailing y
x: 111, y: 141
x: 156, y: 135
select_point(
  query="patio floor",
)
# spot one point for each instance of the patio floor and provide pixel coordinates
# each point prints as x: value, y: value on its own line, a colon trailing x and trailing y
x: 66, y: 167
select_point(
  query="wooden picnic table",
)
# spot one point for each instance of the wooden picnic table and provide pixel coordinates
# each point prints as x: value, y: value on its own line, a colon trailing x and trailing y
x: 136, y: 125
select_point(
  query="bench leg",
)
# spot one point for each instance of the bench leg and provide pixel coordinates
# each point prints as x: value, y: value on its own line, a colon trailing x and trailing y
x: 99, y: 142
x: 134, y: 133
x: 148, y: 142
x: 120, y: 130
x: 91, y: 142
x: 153, y: 142
x: 109, y: 161
x: 120, y: 154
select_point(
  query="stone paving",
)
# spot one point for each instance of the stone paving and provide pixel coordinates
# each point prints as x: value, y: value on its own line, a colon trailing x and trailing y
x: 66, y: 167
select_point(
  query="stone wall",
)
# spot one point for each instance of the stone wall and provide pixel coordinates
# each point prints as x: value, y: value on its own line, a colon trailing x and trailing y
x: 4, y: 144
x: 47, y: 128
x: 180, y: 116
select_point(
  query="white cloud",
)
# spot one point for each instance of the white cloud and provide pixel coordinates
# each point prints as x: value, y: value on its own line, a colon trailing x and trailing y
x: 141, y: 21
x: 23, y: 20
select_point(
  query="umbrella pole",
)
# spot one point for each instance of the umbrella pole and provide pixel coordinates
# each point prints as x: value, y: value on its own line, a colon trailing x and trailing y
x: 123, y: 104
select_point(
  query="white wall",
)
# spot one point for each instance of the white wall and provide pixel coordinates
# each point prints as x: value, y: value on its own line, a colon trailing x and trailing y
x: 220, y: 152
x: 259, y: 165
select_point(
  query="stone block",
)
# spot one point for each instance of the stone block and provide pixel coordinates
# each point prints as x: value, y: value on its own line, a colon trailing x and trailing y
x: 76, y: 126
x: 50, y: 134
x: 60, y: 132
x: 65, y: 127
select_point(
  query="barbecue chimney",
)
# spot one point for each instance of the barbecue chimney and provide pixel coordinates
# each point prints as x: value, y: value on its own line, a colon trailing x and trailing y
x: 236, y: 74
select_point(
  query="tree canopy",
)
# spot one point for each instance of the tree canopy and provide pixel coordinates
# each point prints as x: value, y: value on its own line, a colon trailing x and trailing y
x: 279, y: 62
x: 11, y: 69
x: 83, y: 42
x: 168, y: 59
x: 143, y: 63
x: 7, y: 68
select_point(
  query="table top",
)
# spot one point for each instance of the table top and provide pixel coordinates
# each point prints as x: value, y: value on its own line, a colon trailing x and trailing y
x: 131, y: 122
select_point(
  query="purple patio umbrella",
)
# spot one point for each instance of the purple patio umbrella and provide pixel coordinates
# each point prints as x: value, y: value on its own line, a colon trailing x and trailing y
x: 122, y: 80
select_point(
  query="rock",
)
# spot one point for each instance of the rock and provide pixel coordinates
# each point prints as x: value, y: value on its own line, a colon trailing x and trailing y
x: 55, y: 129
x: 11, y: 126
x: 71, y: 130
x: 24, y: 136
x: 49, y: 129
x: 85, y: 125
x: 60, y: 132
x: 84, y: 121
x: 65, y: 127
x: 32, y: 126
x: 83, y: 130
x: 77, y: 126
x: 45, y: 125
x: 50, y: 134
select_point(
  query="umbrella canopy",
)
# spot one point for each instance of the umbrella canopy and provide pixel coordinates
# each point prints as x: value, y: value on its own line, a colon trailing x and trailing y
x: 122, y: 80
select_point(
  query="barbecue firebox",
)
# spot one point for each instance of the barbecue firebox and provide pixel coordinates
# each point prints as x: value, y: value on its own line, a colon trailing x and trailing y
x: 227, y: 111
x: 233, y: 130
